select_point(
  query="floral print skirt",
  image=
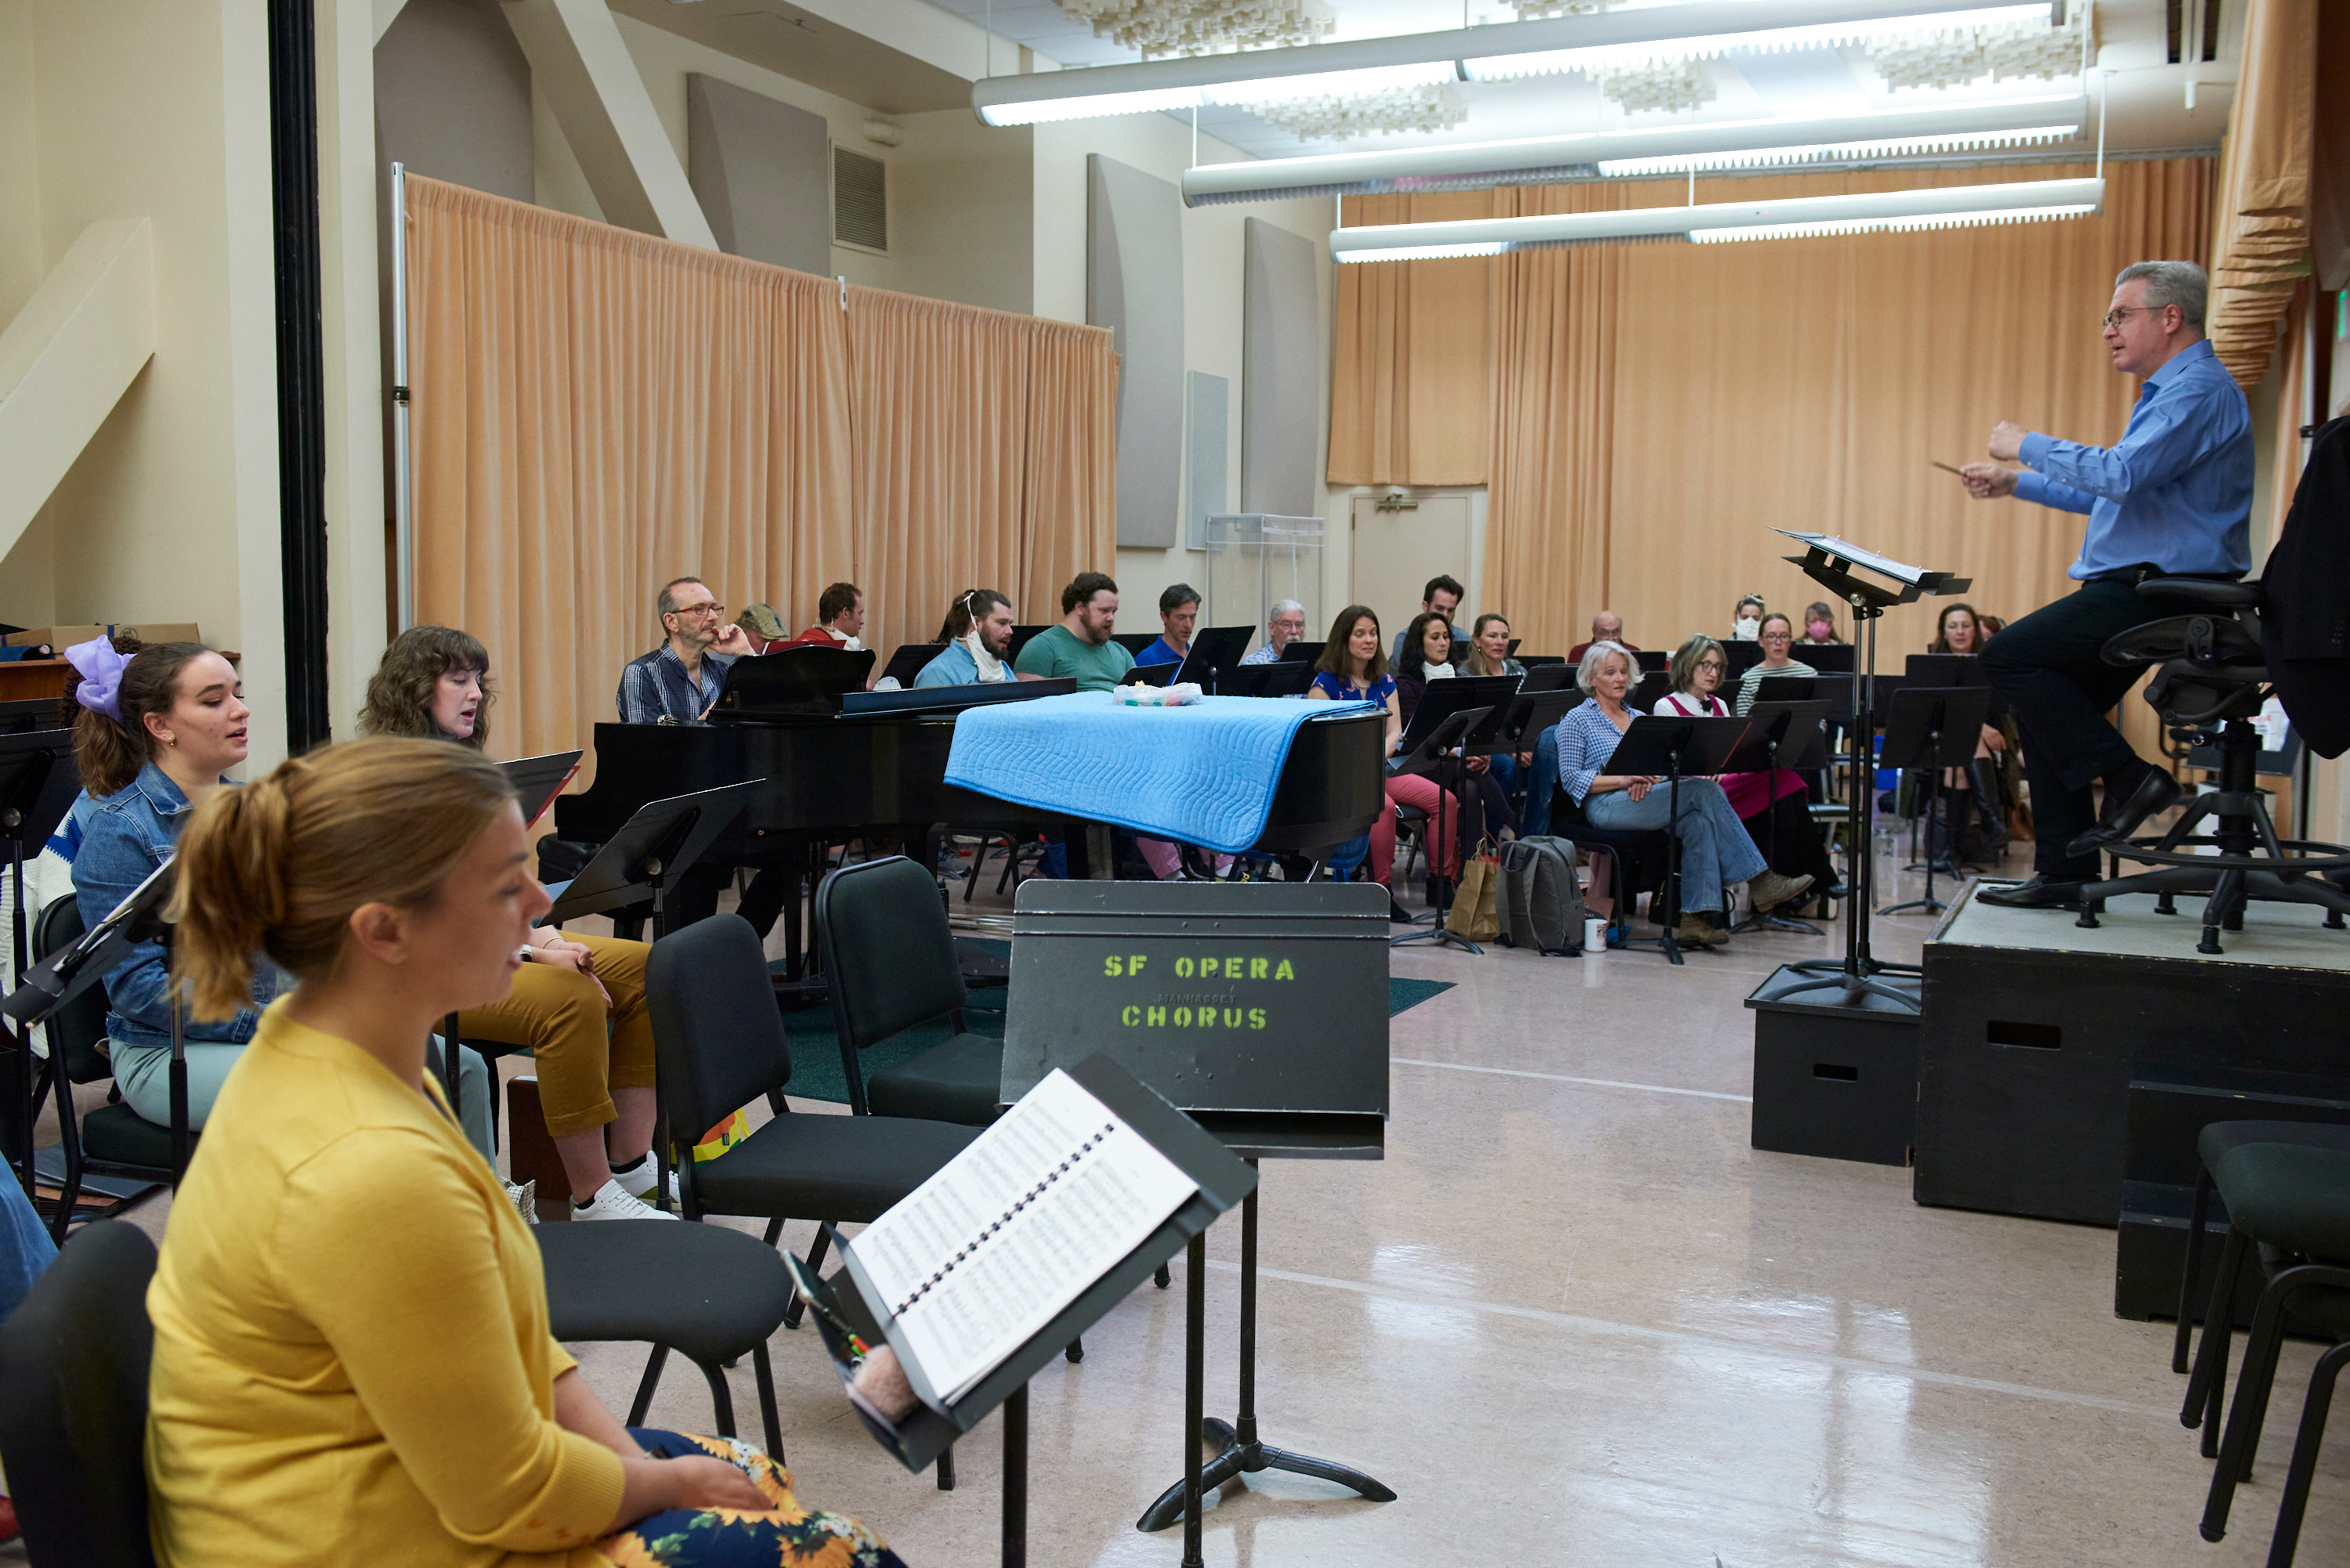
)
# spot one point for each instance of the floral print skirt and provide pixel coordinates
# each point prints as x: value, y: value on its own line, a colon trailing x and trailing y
x: 787, y: 1535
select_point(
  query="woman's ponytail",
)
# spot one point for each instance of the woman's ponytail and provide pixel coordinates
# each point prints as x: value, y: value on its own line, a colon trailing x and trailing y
x: 231, y: 890
x: 279, y: 866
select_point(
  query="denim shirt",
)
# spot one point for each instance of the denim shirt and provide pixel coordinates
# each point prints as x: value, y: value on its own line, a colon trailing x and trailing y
x: 129, y: 834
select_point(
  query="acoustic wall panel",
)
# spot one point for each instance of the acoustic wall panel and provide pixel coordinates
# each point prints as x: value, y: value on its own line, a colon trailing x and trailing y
x: 1207, y: 449
x: 759, y: 168
x: 1281, y: 373
x: 1134, y: 286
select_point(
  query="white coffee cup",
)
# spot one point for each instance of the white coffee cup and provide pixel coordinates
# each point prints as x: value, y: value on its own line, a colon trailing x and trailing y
x: 1595, y: 934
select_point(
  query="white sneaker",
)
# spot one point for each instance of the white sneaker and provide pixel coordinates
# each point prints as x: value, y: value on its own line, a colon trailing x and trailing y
x: 614, y: 1201
x: 641, y: 1181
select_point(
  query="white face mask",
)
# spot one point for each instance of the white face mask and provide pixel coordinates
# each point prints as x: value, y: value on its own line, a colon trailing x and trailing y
x: 1747, y: 629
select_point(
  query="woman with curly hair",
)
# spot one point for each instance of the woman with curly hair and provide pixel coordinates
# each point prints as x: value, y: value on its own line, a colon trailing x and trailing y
x: 578, y: 1002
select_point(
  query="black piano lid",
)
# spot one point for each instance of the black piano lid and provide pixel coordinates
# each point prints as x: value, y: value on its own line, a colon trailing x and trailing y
x: 796, y: 680
x: 953, y: 698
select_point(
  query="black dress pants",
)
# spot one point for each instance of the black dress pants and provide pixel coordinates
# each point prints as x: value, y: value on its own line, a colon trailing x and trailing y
x: 2051, y: 668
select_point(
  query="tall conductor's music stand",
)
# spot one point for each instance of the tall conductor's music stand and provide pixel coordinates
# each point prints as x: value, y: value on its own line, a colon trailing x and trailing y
x: 1933, y: 728
x: 1672, y: 748
x: 1838, y: 566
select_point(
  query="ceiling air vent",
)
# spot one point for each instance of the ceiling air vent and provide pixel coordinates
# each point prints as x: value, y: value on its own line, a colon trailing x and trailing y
x: 860, y: 201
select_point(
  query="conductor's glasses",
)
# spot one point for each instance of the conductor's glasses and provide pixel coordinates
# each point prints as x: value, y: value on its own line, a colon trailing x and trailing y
x: 2116, y: 318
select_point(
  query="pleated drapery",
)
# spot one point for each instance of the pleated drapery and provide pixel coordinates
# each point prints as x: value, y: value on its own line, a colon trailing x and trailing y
x: 596, y: 411
x: 1658, y: 410
x: 2260, y: 247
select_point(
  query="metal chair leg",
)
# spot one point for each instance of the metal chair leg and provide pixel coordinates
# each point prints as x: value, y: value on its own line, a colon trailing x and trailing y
x: 2244, y: 1416
x: 721, y: 1400
x: 2195, y: 1223
x: 647, y: 1384
x: 792, y: 1310
x: 946, y: 1468
x: 768, y: 1418
x: 2295, y: 1501
x: 2211, y: 1357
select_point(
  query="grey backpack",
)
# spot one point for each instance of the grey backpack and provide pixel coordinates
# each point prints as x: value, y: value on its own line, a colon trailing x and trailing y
x: 1540, y: 902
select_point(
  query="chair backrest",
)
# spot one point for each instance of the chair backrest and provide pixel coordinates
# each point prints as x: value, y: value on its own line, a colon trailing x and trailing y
x: 887, y: 952
x: 718, y: 1037
x: 73, y: 1426
x: 76, y: 1029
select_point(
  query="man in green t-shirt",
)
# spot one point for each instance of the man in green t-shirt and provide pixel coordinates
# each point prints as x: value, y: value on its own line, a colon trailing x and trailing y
x: 1080, y: 646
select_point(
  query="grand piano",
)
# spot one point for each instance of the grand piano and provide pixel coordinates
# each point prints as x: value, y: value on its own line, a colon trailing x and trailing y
x: 841, y: 763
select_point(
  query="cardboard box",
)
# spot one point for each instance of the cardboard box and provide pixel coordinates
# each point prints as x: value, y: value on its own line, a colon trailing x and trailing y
x: 64, y: 636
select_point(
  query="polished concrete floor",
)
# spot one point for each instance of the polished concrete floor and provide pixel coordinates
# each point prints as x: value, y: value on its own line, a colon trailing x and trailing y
x: 1572, y: 1318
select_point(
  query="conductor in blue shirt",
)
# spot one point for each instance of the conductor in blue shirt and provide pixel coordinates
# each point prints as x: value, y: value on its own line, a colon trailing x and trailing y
x: 2172, y: 498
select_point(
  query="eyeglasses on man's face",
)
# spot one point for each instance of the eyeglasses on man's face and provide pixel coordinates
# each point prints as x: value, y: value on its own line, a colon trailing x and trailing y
x: 712, y: 608
x: 2117, y: 316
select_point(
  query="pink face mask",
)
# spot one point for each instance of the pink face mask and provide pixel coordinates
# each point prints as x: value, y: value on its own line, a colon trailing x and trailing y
x: 1820, y: 630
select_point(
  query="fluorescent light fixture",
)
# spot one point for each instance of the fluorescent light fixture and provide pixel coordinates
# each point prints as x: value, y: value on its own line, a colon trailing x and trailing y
x: 1471, y: 54
x: 1890, y: 226
x: 1939, y: 206
x: 1471, y: 166
x: 1765, y: 39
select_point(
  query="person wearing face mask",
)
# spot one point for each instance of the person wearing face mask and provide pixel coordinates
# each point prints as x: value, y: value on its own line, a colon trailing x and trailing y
x: 1286, y: 625
x: 1746, y: 621
x: 155, y: 737
x: 977, y: 631
x: 1819, y: 626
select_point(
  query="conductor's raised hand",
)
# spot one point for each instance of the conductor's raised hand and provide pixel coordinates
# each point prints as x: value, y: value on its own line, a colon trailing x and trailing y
x: 733, y: 640
x: 2007, y: 441
x: 1988, y: 481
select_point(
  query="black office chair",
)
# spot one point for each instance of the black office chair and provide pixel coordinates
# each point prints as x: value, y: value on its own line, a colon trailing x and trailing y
x: 73, y: 1427
x: 712, y: 1294
x: 892, y: 966
x: 1645, y: 860
x: 2292, y: 1202
x: 113, y: 1140
x: 2212, y: 673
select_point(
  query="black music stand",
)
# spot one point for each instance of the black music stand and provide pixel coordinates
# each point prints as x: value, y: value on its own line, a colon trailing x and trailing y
x: 66, y: 974
x: 844, y: 1304
x: 1558, y: 677
x: 1322, y: 1095
x: 538, y: 780
x: 1933, y: 728
x: 1274, y: 680
x: 1434, y: 758
x: 1160, y: 675
x: 37, y: 786
x: 1512, y: 729
x: 1297, y: 650
x: 908, y: 661
x: 1839, y: 565
x: 1672, y: 748
x: 804, y: 679
x: 1214, y: 649
x: 1785, y: 735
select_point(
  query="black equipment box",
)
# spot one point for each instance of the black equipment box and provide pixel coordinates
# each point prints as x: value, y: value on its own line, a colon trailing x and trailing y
x: 1836, y: 1074
x: 1242, y: 1003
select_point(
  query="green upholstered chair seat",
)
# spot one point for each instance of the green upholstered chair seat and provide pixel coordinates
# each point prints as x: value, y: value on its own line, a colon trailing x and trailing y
x: 121, y: 1136
x: 2295, y: 1196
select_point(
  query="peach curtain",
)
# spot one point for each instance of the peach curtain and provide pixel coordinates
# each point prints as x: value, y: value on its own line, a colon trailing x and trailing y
x: 983, y: 445
x: 595, y: 411
x: 2260, y: 251
x: 1658, y: 408
x: 1413, y: 346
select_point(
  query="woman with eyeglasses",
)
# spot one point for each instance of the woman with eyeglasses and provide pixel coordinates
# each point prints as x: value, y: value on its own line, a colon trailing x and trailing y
x: 1774, y: 804
x: 1777, y: 635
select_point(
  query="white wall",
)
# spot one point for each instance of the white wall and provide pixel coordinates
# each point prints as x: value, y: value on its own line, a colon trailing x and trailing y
x: 1214, y: 255
x: 158, y: 108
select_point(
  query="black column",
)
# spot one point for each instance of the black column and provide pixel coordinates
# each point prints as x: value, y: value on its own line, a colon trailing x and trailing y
x: 301, y: 371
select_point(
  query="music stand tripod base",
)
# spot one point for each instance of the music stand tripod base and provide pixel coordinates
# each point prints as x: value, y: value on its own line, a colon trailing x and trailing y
x: 1239, y: 1450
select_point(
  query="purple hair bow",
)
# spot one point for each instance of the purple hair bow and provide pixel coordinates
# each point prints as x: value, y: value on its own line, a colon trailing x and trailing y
x: 101, y: 668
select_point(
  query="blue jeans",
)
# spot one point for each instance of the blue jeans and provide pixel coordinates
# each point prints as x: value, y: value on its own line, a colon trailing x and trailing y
x: 1716, y: 849
x: 1534, y: 820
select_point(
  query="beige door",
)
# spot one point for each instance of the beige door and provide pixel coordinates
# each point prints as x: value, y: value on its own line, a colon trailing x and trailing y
x: 1395, y: 551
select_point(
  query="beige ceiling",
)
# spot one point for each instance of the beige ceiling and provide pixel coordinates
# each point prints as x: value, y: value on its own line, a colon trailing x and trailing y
x: 791, y: 41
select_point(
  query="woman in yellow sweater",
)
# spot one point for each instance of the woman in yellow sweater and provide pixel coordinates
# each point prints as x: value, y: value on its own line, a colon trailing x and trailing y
x: 595, y: 1081
x: 352, y: 1362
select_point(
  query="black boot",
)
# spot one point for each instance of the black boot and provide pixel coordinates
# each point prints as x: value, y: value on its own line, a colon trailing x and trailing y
x: 1989, y: 806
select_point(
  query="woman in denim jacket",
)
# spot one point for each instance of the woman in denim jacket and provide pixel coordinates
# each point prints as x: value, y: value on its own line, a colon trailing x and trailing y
x: 156, y: 733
